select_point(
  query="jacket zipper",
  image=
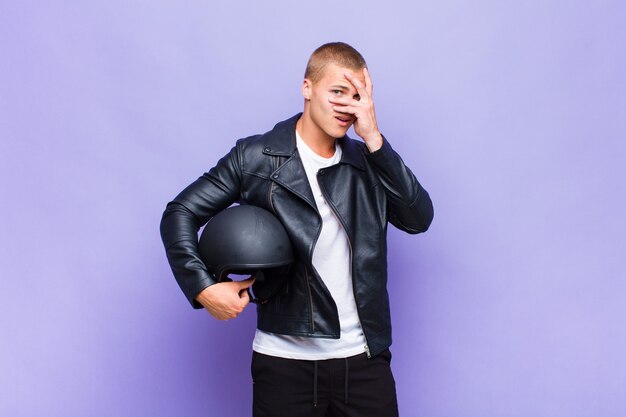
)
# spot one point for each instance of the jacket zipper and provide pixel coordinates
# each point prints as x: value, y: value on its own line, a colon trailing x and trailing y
x: 308, y: 290
x: 271, y: 206
x: 308, y: 281
x: 270, y: 191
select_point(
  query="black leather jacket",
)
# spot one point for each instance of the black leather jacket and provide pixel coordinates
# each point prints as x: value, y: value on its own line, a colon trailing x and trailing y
x: 366, y: 191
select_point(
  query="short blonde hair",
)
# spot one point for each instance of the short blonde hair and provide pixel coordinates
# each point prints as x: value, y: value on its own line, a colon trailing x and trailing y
x: 338, y: 53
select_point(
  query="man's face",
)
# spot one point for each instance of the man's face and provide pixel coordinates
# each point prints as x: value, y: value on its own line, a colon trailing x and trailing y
x: 332, y: 84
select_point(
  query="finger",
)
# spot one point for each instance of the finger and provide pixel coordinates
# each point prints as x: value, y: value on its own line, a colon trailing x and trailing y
x: 344, y: 101
x: 346, y: 109
x: 368, y: 81
x: 244, y: 296
x: 360, y: 88
x: 246, y: 282
x: 219, y: 315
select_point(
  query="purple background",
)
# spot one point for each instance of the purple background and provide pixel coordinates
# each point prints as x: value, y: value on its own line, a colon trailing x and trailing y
x: 511, y: 113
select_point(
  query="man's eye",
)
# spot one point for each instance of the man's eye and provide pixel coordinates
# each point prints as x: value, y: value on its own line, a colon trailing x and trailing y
x: 336, y: 92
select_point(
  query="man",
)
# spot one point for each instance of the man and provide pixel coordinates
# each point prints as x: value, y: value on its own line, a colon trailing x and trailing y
x: 321, y: 347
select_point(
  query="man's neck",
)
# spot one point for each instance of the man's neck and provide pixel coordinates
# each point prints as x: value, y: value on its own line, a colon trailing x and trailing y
x: 315, y: 138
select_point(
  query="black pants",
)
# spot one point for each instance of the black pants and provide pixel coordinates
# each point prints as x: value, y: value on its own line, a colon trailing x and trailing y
x: 351, y: 387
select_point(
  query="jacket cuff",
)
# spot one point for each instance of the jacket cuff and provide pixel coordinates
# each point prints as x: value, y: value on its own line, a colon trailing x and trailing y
x: 192, y: 293
x: 382, y: 156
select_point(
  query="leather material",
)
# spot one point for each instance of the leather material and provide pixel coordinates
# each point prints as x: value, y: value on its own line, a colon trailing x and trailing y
x: 366, y: 191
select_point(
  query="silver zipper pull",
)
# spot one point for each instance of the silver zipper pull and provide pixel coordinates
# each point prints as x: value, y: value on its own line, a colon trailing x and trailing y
x: 367, y: 351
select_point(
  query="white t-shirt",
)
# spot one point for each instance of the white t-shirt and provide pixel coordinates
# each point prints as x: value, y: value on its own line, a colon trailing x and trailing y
x: 331, y: 260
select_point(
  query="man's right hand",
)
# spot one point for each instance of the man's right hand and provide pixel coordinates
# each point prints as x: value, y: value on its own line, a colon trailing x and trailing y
x: 226, y: 300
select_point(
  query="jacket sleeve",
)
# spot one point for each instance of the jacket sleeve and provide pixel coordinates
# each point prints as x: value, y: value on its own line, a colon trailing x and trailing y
x: 191, y: 209
x: 410, y: 207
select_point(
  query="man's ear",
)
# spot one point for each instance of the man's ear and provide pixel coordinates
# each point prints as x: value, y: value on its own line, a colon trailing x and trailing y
x: 307, y: 86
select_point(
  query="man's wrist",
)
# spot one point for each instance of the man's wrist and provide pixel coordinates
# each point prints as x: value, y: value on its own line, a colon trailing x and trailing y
x: 374, y: 142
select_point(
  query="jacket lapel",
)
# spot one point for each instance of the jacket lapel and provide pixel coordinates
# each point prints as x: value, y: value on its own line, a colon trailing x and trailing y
x: 290, y: 174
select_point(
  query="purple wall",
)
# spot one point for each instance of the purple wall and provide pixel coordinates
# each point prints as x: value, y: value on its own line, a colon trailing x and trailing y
x: 511, y: 113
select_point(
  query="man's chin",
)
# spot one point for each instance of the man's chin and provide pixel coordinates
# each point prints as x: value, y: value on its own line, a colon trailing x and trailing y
x: 339, y: 133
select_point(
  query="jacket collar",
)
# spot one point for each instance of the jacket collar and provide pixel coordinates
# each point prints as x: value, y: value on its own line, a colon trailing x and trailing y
x: 281, y: 141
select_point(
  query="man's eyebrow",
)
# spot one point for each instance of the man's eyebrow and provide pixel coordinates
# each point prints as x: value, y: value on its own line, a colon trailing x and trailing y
x: 339, y: 87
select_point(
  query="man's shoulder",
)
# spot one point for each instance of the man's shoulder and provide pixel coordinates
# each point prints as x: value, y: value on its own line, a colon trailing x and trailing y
x: 279, y: 140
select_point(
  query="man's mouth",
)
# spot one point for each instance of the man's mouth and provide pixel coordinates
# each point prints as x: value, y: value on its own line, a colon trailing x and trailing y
x: 344, y: 121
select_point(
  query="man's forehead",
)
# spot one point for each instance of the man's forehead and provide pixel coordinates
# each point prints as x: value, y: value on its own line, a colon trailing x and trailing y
x: 336, y: 74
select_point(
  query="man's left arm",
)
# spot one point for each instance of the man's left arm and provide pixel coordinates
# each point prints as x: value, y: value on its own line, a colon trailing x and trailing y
x: 411, y: 208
